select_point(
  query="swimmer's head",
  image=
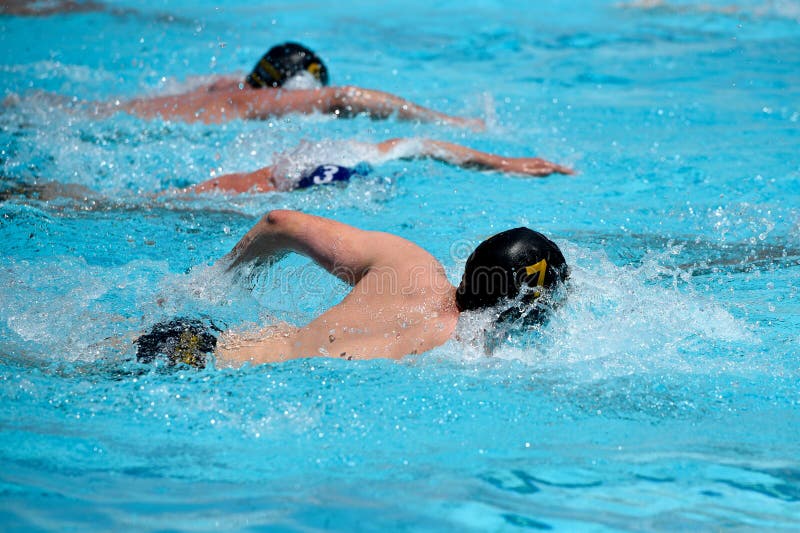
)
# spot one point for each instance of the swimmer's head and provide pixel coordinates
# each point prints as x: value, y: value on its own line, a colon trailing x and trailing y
x: 179, y: 340
x: 518, y: 264
x: 284, y: 61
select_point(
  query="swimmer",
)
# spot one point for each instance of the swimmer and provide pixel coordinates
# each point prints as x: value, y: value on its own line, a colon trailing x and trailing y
x: 400, y: 301
x: 289, y: 78
x: 269, y: 178
x: 664, y: 7
x: 42, y: 190
x: 272, y: 178
x: 37, y: 8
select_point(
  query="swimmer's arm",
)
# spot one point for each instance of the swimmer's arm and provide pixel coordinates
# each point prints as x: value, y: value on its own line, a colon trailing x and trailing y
x: 261, y: 180
x: 464, y: 157
x: 339, y: 101
x: 226, y: 83
x: 342, y: 102
x: 343, y: 250
x: 348, y: 101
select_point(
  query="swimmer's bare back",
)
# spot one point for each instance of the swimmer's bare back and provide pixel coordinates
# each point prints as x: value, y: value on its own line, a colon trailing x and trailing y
x: 400, y: 303
x: 223, y: 102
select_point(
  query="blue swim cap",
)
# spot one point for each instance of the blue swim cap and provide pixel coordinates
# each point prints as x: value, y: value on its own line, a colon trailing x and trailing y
x: 325, y: 174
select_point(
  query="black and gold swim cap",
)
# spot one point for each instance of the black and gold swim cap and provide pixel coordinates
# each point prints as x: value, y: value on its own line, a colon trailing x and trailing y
x: 511, y: 264
x: 282, y: 62
x: 180, y: 340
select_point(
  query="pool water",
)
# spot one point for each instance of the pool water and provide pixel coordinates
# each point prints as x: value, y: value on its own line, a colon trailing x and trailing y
x: 662, y: 395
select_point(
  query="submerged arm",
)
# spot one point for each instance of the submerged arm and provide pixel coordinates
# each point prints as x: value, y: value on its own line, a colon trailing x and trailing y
x: 343, y: 250
x: 461, y: 156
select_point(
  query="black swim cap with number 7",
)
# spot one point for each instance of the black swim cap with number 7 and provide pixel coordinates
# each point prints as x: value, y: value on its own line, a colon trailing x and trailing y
x: 510, y: 263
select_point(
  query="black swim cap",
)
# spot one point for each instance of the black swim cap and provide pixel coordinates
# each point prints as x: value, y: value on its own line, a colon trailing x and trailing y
x: 180, y: 340
x: 282, y: 62
x: 513, y: 262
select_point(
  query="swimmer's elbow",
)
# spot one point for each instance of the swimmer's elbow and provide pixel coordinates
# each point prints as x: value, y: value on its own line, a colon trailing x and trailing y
x: 284, y: 229
x: 279, y: 217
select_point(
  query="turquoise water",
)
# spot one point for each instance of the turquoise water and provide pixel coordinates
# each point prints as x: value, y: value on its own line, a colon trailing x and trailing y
x: 662, y: 395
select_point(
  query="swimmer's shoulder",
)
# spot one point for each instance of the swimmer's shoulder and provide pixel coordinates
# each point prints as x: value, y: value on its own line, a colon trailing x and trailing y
x: 396, y: 251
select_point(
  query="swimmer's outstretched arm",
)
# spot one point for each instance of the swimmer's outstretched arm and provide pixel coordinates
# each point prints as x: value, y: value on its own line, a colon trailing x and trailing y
x: 264, y: 179
x: 348, y: 101
x: 464, y: 157
x: 261, y: 180
x: 227, y: 99
x: 343, y: 250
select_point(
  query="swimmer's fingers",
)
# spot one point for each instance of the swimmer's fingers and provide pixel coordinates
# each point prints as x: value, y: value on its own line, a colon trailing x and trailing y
x: 533, y: 166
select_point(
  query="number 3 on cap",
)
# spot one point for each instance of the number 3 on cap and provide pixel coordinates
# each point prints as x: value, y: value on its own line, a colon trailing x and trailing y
x: 329, y: 173
x: 537, y: 268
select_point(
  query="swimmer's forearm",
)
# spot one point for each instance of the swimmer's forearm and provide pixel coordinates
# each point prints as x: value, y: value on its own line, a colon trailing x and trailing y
x: 349, y: 101
x: 462, y: 156
x: 277, y: 232
x: 456, y: 154
x: 443, y: 151
x: 266, y: 240
x: 344, y: 251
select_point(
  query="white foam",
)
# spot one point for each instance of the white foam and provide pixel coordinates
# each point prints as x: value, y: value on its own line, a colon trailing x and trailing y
x: 45, y: 70
x: 622, y: 320
x: 303, y: 80
x: 293, y: 163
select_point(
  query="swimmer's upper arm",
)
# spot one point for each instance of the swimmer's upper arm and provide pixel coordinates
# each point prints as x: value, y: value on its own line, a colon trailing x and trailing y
x: 345, y: 251
x: 260, y: 180
x: 263, y: 103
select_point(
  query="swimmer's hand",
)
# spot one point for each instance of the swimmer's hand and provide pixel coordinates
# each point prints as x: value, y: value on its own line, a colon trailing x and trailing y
x: 530, y: 166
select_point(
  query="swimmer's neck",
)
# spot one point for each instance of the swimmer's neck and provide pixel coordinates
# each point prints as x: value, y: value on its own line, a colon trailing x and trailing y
x: 452, y: 299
